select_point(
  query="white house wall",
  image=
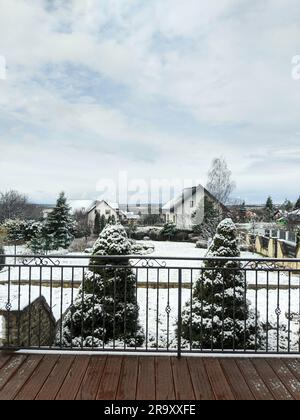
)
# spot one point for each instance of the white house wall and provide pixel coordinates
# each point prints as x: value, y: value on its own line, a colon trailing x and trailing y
x: 183, y: 213
x: 104, y: 210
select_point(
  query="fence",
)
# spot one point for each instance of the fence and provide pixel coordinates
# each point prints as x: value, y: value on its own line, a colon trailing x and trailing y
x: 144, y: 304
x: 275, y: 248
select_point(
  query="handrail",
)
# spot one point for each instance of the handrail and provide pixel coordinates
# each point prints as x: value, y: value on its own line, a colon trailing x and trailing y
x: 149, y: 257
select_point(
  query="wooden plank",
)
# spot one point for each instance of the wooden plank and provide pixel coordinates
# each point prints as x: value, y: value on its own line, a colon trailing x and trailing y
x: 37, y: 380
x: 56, y: 378
x: 4, y: 358
x: 73, y: 380
x: 10, y: 369
x: 128, y: 379
x: 110, y: 379
x: 294, y: 366
x: 90, y: 384
x: 202, y: 387
x: 236, y: 380
x: 271, y: 380
x: 146, y: 379
x: 218, y: 380
x: 18, y: 380
x: 164, y: 379
x: 255, y: 383
x: 182, y: 380
x: 287, y: 378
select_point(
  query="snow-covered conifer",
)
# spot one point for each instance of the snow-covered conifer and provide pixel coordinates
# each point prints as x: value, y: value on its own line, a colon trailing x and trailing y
x: 60, y: 224
x: 105, y: 310
x: 219, y: 316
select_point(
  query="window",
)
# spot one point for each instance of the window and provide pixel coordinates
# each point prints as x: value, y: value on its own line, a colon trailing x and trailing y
x: 107, y: 212
x: 192, y: 204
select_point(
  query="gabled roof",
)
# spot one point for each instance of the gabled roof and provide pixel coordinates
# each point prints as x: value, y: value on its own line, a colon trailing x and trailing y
x: 187, y: 193
x: 113, y: 206
x: 80, y: 205
x: 130, y: 215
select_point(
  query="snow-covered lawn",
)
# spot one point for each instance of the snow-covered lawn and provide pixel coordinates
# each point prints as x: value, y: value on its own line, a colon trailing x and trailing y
x: 169, y: 273
x: 154, y: 302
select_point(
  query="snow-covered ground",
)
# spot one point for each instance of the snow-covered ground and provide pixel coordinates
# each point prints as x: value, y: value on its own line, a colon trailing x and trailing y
x: 159, y: 321
x: 165, y: 274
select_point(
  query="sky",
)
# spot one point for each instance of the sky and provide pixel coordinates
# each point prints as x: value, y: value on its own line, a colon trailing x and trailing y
x: 98, y: 91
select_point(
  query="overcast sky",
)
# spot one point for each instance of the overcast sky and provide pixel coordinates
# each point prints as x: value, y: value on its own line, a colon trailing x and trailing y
x: 157, y: 88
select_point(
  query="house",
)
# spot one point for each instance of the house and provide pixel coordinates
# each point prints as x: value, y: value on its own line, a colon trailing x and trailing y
x: 130, y: 218
x: 104, y: 208
x: 182, y: 209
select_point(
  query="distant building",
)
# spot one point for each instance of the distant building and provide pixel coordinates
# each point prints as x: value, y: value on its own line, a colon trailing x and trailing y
x: 104, y: 208
x: 182, y: 209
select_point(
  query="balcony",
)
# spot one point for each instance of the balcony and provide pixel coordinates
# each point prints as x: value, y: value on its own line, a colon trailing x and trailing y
x: 143, y: 328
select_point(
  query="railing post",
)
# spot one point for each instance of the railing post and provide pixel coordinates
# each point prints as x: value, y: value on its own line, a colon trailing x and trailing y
x: 179, y: 331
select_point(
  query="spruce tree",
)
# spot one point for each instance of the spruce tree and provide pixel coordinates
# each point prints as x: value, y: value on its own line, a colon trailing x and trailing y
x: 97, y: 224
x: 219, y: 316
x: 105, y: 310
x: 42, y: 241
x: 60, y: 224
x: 102, y: 222
x: 169, y: 231
x: 112, y: 220
x: 269, y: 210
x: 287, y: 205
x: 297, y: 205
x: 211, y: 219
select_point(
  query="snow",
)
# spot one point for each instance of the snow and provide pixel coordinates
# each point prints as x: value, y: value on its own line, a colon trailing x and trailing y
x: 166, y: 298
x: 80, y: 205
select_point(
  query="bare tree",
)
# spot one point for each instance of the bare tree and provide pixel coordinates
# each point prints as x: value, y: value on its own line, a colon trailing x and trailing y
x: 14, y: 205
x: 219, y: 182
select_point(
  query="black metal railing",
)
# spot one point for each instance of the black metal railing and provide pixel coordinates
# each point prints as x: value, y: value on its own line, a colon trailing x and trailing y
x: 150, y: 304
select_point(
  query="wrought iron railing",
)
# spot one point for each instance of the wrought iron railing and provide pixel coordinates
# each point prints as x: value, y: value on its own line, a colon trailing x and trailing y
x: 150, y: 304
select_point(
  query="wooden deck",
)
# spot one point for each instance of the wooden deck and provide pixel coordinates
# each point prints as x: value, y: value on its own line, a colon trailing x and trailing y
x: 54, y: 377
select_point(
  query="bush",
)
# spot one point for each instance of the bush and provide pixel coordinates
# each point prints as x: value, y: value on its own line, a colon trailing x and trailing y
x: 169, y: 231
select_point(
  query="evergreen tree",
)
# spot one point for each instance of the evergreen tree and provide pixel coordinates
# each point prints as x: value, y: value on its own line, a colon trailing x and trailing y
x: 287, y: 205
x: 297, y: 205
x: 242, y: 213
x: 97, y: 224
x: 15, y: 231
x: 112, y: 220
x: 169, y: 231
x: 42, y: 241
x: 60, y: 224
x: 218, y: 313
x: 102, y: 222
x: 211, y: 218
x: 106, y: 308
x: 269, y: 210
x: 83, y: 229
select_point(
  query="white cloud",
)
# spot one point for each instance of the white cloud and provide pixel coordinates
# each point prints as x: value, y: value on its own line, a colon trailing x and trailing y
x: 223, y: 65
